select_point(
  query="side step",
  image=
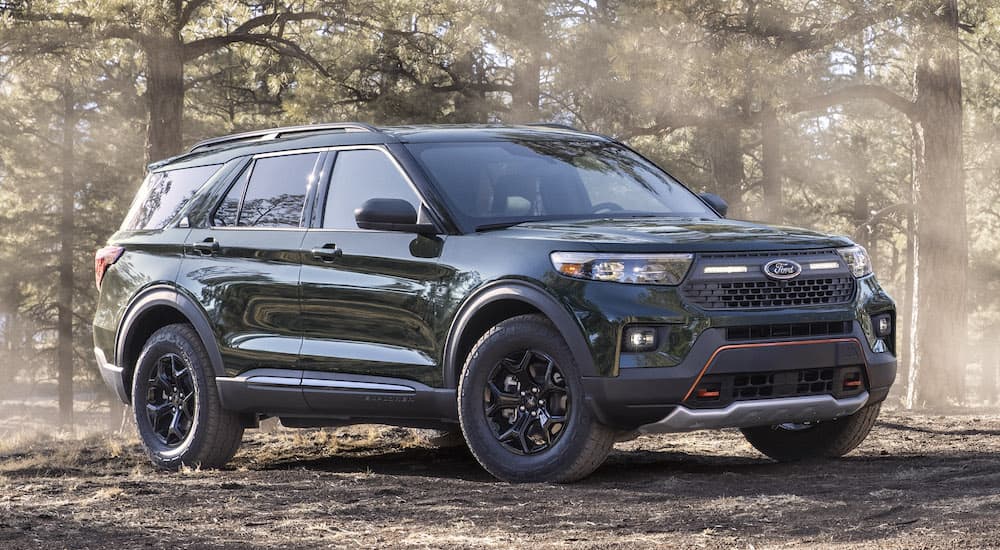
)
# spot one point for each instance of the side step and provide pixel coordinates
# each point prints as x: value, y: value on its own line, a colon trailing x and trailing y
x: 329, y: 398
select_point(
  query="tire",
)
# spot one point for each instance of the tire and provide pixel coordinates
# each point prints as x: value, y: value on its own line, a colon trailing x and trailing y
x: 829, y: 439
x: 176, y: 404
x: 518, y: 355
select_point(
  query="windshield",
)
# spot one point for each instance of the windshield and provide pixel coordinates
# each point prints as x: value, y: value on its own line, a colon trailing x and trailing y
x: 505, y: 182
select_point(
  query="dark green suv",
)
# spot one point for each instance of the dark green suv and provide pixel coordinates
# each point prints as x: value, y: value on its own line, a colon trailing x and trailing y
x: 543, y: 290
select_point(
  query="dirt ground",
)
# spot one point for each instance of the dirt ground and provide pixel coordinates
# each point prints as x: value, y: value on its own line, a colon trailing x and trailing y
x: 919, y: 481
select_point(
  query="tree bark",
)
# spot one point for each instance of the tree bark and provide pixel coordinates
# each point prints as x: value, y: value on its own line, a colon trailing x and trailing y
x: 770, y: 131
x: 906, y: 329
x: 529, y: 35
x: 726, y: 160
x: 65, y: 293
x: 527, y: 90
x: 942, y: 249
x: 164, y: 97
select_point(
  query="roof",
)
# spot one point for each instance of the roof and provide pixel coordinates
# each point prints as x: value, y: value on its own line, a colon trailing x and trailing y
x: 223, y: 149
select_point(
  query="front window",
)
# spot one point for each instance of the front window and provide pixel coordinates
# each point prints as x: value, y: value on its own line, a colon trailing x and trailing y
x: 498, y: 182
x: 359, y: 175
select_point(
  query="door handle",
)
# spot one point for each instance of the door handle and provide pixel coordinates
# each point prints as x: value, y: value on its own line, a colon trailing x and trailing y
x: 328, y: 253
x: 207, y: 247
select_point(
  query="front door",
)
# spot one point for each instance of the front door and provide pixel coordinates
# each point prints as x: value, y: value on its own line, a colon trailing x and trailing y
x: 368, y: 296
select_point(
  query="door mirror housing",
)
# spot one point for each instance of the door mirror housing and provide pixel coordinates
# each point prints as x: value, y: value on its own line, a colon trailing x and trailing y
x: 717, y: 203
x: 391, y: 215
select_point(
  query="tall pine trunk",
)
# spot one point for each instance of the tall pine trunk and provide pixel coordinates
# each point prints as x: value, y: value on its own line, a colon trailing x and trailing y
x: 726, y: 160
x: 529, y: 35
x: 65, y: 293
x: 770, y: 135
x: 164, y: 97
x: 907, y: 330
x: 941, y: 245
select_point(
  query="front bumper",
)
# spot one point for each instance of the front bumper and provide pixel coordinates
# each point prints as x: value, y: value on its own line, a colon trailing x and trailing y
x: 759, y: 412
x: 659, y: 398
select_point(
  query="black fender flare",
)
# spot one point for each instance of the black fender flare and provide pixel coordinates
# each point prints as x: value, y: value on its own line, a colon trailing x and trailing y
x: 526, y: 292
x: 170, y: 296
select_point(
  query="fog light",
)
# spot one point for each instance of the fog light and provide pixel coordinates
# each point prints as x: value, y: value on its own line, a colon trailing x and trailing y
x: 882, y: 324
x: 639, y: 339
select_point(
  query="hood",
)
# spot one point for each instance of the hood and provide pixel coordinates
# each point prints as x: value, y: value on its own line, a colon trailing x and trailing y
x: 674, y: 235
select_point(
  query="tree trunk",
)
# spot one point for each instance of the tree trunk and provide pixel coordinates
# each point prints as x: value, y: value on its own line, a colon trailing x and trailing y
x: 862, y: 188
x: 164, y: 98
x: 942, y: 249
x: 65, y: 294
x: 529, y: 35
x: 726, y: 160
x: 526, y: 100
x: 770, y: 131
x: 906, y: 329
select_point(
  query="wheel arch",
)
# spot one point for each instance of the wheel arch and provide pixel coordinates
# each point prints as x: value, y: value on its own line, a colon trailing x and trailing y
x: 498, y: 302
x: 154, y: 308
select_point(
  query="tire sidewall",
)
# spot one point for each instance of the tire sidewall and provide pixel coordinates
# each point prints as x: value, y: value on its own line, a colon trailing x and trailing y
x: 170, y: 340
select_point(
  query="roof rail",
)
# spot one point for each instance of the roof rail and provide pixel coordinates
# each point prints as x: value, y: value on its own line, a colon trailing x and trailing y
x: 275, y: 133
x: 553, y: 125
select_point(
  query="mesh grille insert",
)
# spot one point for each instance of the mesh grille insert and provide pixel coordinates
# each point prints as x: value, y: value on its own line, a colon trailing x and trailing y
x: 768, y: 293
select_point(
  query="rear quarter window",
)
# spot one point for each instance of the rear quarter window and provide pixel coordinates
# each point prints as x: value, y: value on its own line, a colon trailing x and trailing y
x: 163, y: 195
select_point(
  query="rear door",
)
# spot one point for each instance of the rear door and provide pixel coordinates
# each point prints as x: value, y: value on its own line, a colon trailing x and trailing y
x: 368, y: 296
x: 243, y: 265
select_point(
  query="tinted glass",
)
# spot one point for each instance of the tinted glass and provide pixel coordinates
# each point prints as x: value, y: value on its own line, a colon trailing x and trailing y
x: 276, y: 191
x: 163, y: 195
x: 360, y: 175
x: 228, y: 211
x: 503, y: 181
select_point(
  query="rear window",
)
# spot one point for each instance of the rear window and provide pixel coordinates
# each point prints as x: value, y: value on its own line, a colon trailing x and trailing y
x: 163, y: 195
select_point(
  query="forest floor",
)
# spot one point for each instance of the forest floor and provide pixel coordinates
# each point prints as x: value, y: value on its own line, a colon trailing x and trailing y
x: 919, y: 481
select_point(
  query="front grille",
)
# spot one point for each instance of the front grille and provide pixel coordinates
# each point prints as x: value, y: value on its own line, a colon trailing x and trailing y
x: 735, y: 281
x: 769, y: 294
x: 719, y: 390
x: 787, y: 330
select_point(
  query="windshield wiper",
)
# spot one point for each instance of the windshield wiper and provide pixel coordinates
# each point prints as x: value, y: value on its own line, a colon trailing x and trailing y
x: 499, y: 225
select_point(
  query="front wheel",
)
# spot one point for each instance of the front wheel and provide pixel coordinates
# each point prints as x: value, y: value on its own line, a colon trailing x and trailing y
x: 522, y: 408
x: 827, y: 439
x: 176, y: 404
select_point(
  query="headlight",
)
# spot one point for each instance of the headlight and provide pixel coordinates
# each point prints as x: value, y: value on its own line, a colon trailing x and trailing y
x: 857, y: 260
x: 648, y: 269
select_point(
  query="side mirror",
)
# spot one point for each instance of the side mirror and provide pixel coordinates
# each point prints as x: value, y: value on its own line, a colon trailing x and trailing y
x: 716, y: 202
x: 390, y: 215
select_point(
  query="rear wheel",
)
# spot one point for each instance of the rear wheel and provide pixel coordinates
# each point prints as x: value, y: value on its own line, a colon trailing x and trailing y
x: 176, y: 403
x: 828, y: 439
x: 522, y: 408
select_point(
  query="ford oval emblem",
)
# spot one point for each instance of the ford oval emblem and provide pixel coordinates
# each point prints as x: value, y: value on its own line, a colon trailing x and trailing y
x: 782, y: 269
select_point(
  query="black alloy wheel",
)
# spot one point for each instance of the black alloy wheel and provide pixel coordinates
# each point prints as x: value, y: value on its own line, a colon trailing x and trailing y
x: 171, y: 401
x: 527, y: 401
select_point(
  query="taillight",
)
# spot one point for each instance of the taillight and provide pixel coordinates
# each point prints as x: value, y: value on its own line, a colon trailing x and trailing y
x: 105, y: 258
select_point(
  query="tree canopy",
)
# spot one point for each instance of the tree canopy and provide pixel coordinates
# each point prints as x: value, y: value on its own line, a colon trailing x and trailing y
x: 872, y: 119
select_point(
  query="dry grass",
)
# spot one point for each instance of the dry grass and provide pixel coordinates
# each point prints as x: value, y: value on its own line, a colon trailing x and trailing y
x: 919, y: 481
